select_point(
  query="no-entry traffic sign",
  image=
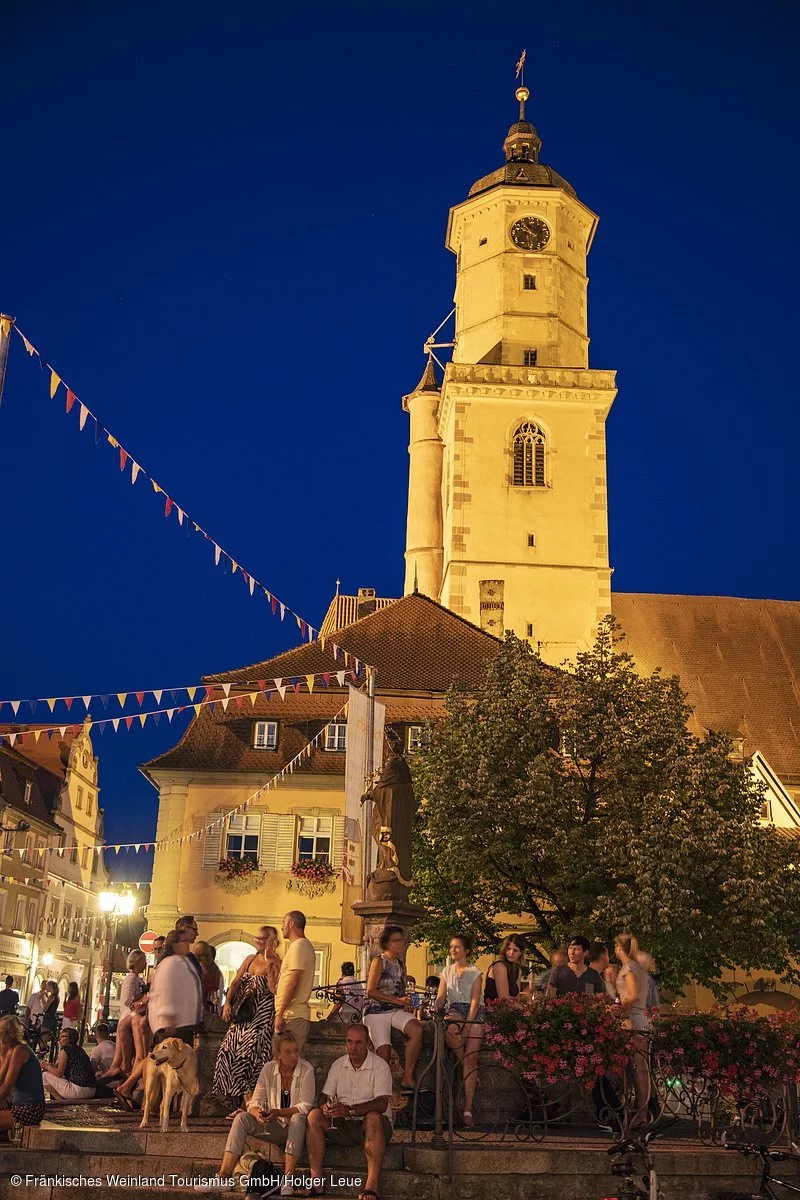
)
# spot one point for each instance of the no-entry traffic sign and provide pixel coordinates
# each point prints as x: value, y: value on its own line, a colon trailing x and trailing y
x: 147, y: 941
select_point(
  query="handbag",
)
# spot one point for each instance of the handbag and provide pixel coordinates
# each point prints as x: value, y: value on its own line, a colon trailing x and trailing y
x: 244, y: 1011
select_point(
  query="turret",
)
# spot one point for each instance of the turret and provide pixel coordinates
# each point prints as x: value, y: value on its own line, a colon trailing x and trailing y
x: 424, y: 546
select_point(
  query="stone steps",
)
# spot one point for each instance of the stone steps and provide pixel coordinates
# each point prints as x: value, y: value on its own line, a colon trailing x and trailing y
x: 560, y: 1168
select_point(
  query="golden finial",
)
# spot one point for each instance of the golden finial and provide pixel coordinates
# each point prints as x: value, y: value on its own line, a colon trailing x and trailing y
x: 522, y: 94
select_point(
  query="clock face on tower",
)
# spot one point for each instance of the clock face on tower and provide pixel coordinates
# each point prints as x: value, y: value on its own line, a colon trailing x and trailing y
x: 530, y: 233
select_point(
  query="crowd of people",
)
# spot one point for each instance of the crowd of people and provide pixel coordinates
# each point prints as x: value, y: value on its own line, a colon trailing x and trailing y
x: 260, y: 1071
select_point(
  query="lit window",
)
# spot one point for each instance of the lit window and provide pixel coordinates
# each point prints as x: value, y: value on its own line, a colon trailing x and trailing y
x: 529, y: 283
x: 529, y: 358
x: 242, y: 838
x: 314, y: 839
x: 415, y: 738
x: 336, y: 736
x: 529, y: 446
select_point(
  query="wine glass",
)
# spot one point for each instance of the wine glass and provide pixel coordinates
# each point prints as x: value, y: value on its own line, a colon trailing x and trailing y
x: 331, y: 1101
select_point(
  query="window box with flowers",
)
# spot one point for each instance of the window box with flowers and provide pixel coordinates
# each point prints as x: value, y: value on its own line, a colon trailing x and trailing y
x: 239, y: 875
x: 313, y: 876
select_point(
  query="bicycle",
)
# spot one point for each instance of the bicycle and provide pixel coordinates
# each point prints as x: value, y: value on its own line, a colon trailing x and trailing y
x: 633, y: 1156
x: 766, y: 1190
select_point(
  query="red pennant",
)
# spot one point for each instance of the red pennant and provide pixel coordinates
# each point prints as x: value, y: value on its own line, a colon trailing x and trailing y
x: 303, y: 628
x: 68, y: 702
x: 273, y: 603
x: 71, y: 398
x: 76, y: 730
x: 140, y: 697
x: 239, y: 701
x: 168, y: 507
x: 262, y: 685
x: 129, y: 721
x: 209, y: 692
x: 123, y: 458
x: 326, y: 676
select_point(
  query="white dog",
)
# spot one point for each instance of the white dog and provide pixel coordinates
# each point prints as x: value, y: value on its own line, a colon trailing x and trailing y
x: 170, y: 1069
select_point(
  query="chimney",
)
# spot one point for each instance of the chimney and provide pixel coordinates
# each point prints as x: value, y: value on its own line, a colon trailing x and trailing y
x: 365, y: 603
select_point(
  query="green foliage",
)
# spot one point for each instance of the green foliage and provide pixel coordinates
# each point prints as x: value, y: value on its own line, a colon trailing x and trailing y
x: 576, y: 801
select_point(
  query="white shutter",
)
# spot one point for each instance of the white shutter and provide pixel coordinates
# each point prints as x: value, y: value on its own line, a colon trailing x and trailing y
x: 276, y: 848
x: 212, y: 842
x: 268, y: 842
x: 287, y: 842
x: 337, y: 842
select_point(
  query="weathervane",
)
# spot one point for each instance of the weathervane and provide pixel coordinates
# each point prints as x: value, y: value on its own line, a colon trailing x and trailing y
x: 522, y: 93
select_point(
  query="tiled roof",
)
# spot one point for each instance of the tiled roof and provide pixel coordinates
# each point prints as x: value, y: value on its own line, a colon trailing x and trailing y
x: 738, y: 660
x: 15, y: 770
x: 223, y: 741
x: 50, y: 753
x: 414, y: 643
x: 418, y: 648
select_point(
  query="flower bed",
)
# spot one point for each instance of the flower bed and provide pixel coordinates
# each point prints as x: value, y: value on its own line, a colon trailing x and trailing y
x: 558, y: 1039
x: 734, y: 1050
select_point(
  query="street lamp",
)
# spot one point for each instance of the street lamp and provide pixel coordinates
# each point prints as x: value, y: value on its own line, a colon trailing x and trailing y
x: 114, y: 906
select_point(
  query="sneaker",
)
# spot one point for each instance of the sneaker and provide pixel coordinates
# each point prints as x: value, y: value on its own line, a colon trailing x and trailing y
x: 215, y: 1184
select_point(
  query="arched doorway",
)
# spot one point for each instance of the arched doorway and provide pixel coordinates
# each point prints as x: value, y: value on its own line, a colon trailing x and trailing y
x: 230, y: 956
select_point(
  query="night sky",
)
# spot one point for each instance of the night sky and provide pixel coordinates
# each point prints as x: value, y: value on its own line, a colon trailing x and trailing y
x: 224, y: 226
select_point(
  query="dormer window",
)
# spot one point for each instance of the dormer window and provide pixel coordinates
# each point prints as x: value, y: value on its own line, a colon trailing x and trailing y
x: 265, y: 736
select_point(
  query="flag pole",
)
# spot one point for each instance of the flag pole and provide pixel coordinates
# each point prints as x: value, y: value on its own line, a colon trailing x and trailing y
x: 5, y: 337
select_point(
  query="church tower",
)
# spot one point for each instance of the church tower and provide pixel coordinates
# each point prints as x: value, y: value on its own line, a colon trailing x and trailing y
x: 510, y: 468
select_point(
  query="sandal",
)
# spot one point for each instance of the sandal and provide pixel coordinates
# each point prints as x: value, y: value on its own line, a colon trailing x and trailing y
x: 125, y: 1101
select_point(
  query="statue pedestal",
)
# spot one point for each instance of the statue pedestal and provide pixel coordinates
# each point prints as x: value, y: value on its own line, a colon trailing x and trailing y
x: 376, y: 914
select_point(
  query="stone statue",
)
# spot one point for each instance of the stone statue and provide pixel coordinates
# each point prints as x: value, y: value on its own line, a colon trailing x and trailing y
x: 393, y: 809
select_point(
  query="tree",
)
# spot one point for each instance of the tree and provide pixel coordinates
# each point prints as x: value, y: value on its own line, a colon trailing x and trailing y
x: 576, y: 801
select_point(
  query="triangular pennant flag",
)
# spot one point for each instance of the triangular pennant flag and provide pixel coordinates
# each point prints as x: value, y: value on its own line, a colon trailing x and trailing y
x: 167, y: 507
x: 37, y: 733
x: 68, y: 701
x: 156, y: 488
x: 191, y: 692
x: 217, y: 552
x: 135, y: 469
x: 253, y: 698
x: 180, y: 514
x: 340, y: 678
x: 278, y: 684
x: 210, y: 706
x: 321, y: 642
x: 310, y: 683
x: 234, y: 567
x: 273, y: 603
x: 31, y: 349
x: 98, y: 431
x: 262, y: 685
x: 283, y: 611
x: 83, y: 416
x: 51, y: 703
x: 224, y: 704
x: 251, y: 584
x: 87, y: 700
x: 197, y: 709
x: 170, y: 713
x: 15, y: 706
x: 226, y: 687
x: 62, y: 729
x: 122, y: 697
x: 55, y: 380
x: 104, y: 701
x: 142, y: 718
x: 157, y: 696
x: 123, y: 458
x: 326, y: 678
x: 129, y: 721
x: 239, y: 701
x: 139, y: 697
x: 209, y: 692
x: 281, y: 688
x: 300, y: 624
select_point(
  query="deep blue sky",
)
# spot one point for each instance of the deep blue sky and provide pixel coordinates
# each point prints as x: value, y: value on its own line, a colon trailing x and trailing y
x: 224, y: 225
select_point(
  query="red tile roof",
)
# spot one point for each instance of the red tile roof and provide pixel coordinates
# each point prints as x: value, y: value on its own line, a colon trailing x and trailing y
x: 738, y: 660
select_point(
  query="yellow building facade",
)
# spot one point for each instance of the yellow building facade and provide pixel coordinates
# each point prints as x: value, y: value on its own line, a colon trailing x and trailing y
x: 507, y: 508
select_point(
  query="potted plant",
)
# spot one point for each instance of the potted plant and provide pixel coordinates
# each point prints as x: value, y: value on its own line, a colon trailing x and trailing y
x: 238, y: 875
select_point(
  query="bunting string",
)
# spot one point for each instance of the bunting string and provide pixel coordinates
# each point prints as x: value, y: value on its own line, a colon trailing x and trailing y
x: 128, y: 464
x: 243, y: 689
x: 203, y: 831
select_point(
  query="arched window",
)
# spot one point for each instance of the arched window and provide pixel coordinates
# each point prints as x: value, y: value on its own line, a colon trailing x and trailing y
x: 529, y: 445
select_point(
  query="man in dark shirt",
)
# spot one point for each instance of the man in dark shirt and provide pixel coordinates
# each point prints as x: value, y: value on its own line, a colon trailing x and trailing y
x: 576, y: 976
x: 9, y: 998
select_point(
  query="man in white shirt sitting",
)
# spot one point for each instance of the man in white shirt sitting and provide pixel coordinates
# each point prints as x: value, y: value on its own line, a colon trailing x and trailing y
x: 355, y: 1109
x: 102, y: 1056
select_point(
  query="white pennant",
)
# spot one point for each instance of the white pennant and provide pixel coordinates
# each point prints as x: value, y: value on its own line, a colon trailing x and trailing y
x: 170, y: 713
x: 340, y: 678
x: 157, y: 697
x: 115, y: 723
x: 283, y: 610
x: 84, y: 415
x: 226, y: 687
x: 87, y: 700
x: 15, y: 706
x: 135, y: 469
x: 225, y: 702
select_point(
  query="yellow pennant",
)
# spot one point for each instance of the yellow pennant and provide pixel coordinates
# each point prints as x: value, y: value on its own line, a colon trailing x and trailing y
x: 51, y: 703
x: 156, y: 488
x: 142, y: 718
x: 310, y: 682
x: 112, y: 441
x: 197, y: 708
x: 191, y: 693
x: 122, y: 697
x: 55, y: 380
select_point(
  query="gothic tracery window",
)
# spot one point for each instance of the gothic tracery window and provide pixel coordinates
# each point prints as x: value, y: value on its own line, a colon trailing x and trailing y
x: 529, y: 448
